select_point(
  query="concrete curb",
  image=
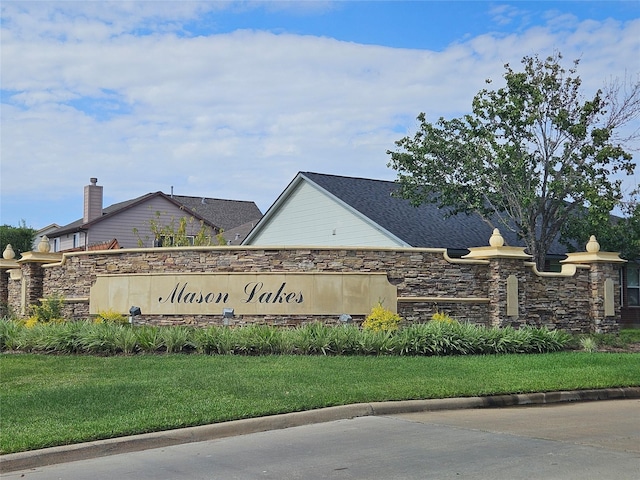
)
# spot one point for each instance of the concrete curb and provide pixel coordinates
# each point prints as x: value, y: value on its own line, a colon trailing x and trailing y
x: 114, y: 446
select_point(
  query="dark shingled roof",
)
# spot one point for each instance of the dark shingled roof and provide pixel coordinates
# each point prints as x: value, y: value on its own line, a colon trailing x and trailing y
x: 236, y: 235
x: 422, y: 226
x: 226, y: 214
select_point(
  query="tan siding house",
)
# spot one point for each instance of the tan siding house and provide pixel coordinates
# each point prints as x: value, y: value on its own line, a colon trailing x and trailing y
x: 129, y: 222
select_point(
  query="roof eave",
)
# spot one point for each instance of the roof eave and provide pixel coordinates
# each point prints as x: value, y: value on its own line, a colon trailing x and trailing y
x: 136, y: 202
x: 301, y: 177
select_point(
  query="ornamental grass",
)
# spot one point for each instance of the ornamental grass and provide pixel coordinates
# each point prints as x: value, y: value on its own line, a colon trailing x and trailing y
x: 426, y: 339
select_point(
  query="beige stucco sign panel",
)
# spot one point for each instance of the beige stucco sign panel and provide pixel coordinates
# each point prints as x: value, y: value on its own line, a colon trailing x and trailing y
x: 246, y: 293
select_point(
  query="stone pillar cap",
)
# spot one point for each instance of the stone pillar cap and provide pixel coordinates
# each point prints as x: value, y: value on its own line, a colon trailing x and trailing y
x: 593, y: 254
x: 496, y: 239
x: 40, y: 257
x: 8, y: 260
x: 496, y: 249
x: 43, y: 246
x: 8, y: 253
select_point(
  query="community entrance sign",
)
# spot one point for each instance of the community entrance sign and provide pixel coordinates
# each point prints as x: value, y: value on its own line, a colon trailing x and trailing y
x: 246, y: 293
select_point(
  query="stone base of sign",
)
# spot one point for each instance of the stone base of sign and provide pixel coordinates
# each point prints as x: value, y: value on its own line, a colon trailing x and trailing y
x: 493, y: 285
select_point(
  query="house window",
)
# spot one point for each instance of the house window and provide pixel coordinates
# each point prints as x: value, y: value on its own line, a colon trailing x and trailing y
x: 553, y: 265
x: 56, y: 244
x: 633, y: 285
x: 76, y: 240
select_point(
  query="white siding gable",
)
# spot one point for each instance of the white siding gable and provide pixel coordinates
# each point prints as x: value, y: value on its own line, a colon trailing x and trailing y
x: 309, y: 216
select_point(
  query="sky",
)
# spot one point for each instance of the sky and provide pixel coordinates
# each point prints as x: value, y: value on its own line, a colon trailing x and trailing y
x: 231, y: 99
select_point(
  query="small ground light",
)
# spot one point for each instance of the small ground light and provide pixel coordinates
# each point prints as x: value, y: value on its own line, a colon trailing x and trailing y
x: 134, y: 312
x: 227, y: 313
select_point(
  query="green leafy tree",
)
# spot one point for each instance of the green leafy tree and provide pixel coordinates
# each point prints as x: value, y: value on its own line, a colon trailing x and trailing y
x: 614, y: 234
x: 20, y: 238
x: 529, y: 155
x: 181, y: 232
x: 220, y: 238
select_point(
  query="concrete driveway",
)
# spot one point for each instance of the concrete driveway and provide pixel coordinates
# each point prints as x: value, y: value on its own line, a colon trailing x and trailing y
x: 590, y: 440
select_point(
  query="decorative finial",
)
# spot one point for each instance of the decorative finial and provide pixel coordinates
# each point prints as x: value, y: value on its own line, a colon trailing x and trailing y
x: 8, y: 253
x: 496, y: 239
x: 593, y: 246
x: 43, y: 246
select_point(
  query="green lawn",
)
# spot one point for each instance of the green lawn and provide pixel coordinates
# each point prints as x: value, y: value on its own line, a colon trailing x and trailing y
x: 49, y: 400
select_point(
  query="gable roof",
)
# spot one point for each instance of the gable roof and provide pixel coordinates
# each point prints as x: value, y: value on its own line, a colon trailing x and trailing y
x: 422, y: 226
x: 214, y: 212
x: 225, y: 214
x: 43, y: 231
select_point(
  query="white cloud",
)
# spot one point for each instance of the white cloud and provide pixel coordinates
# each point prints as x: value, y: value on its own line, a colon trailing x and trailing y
x: 504, y: 14
x: 234, y: 115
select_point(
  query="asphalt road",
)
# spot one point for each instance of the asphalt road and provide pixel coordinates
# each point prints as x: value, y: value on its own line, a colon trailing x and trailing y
x: 589, y: 440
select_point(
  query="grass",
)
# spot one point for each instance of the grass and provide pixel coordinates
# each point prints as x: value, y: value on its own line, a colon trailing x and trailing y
x: 49, y: 400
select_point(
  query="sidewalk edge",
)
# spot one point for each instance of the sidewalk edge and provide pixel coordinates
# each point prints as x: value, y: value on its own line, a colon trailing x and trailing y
x: 82, y: 451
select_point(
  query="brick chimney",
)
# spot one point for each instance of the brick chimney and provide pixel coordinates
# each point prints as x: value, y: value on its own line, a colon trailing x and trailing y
x: 92, y: 201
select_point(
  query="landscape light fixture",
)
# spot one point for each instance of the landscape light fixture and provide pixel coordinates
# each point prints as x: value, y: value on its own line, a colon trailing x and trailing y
x: 227, y: 313
x: 345, y: 318
x: 134, y: 312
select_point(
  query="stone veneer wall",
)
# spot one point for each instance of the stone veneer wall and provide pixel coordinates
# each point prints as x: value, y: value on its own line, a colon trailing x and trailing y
x: 552, y: 301
x: 4, y: 293
x: 427, y: 281
x: 15, y: 296
x: 416, y: 273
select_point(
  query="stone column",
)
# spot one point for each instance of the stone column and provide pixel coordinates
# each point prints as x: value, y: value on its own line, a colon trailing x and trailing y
x: 32, y: 273
x: 506, y: 275
x: 604, y: 276
x: 7, y: 263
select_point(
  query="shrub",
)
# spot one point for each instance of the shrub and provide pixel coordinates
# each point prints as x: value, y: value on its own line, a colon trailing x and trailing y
x: 9, y: 332
x: 431, y: 338
x: 442, y: 317
x: 215, y: 340
x: 57, y: 337
x: 49, y: 309
x: 589, y: 344
x: 381, y: 319
x: 259, y: 340
x: 98, y: 338
x: 126, y: 339
x: 177, y: 339
x: 311, y: 339
x: 31, y: 321
x: 150, y: 340
x: 110, y: 316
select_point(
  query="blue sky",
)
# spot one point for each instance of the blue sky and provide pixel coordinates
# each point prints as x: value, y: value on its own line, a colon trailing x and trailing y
x: 426, y: 25
x: 232, y: 99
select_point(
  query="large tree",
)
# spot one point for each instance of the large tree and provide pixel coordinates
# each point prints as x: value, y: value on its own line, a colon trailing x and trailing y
x: 20, y: 238
x: 529, y: 155
x: 614, y: 233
